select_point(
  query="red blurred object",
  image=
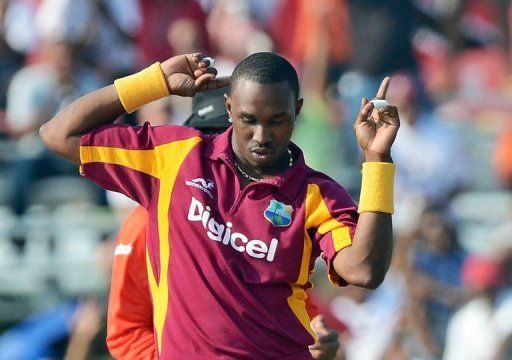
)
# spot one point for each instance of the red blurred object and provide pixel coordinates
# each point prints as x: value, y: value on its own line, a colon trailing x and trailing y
x: 484, y: 69
x: 315, y: 306
x: 297, y: 23
x: 480, y: 273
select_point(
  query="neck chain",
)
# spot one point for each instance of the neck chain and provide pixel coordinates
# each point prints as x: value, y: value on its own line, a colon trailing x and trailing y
x: 251, y: 178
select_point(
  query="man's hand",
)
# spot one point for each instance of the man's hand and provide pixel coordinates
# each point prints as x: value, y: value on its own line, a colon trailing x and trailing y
x: 189, y: 74
x: 87, y: 320
x: 327, y: 343
x: 376, y: 129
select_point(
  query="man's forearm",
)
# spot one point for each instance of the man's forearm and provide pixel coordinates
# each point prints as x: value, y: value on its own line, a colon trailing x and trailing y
x: 62, y: 133
x: 367, y: 260
x: 182, y: 75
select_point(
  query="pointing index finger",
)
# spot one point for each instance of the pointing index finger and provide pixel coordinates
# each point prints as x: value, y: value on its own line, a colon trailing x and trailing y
x: 383, y: 89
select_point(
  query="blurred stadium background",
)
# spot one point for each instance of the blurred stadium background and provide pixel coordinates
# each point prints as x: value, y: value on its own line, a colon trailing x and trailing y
x: 452, y: 81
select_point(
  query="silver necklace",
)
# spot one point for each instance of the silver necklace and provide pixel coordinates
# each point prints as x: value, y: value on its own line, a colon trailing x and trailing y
x: 251, y: 178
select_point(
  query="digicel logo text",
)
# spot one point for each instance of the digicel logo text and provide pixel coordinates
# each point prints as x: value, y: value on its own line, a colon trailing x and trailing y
x: 223, y: 233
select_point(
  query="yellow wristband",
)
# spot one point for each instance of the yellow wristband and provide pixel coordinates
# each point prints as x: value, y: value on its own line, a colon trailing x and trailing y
x: 377, y: 187
x: 142, y: 88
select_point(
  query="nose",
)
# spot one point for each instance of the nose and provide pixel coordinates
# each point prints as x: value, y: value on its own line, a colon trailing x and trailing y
x: 261, y: 135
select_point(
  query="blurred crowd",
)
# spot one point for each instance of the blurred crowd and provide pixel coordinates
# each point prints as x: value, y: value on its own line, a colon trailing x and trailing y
x: 448, y: 294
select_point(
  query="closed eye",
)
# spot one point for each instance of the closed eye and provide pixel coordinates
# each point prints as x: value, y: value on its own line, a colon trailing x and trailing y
x: 248, y: 120
x: 278, y: 121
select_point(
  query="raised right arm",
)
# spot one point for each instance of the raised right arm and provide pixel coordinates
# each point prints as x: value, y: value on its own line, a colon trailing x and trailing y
x: 182, y: 75
x: 62, y: 133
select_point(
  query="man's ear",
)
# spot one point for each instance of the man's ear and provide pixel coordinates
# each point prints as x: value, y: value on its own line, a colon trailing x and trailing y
x: 298, y: 106
x: 227, y: 102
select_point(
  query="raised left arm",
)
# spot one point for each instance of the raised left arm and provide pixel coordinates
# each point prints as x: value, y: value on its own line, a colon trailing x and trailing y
x: 367, y: 260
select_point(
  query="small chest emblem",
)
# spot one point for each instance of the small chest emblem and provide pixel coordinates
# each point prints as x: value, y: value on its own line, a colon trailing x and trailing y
x: 278, y: 213
x: 206, y: 185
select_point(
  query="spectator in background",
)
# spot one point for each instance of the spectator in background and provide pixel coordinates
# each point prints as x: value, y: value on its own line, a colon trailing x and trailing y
x: 10, y: 60
x: 38, y: 335
x: 381, y: 32
x: 435, y: 282
x: 19, y: 28
x: 63, y: 20
x: 381, y: 36
x: 35, y: 93
x: 103, y: 30
x: 87, y: 322
x: 426, y: 148
x: 70, y: 330
x: 501, y: 249
x: 172, y: 27
x: 319, y: 131
x: 412, y: 338
x: 299, y: 24
x: 159, y: 18
x: 233, y: 46
x: 479, y: 329
x: 372, y: 317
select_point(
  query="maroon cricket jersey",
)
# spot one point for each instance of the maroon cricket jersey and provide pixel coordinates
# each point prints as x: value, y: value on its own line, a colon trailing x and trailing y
x: 228, y: 265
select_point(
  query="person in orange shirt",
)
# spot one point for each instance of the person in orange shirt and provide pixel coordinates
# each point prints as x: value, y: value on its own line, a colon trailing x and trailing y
x: 130, y: 313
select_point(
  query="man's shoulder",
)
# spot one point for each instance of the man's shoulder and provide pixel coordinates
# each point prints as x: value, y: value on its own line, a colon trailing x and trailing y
x: 323, y: 181
x: 329, y: 189
x: 141, y: 137
x: 169, y: 133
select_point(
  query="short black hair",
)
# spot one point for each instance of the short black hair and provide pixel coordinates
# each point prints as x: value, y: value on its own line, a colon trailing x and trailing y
x: 266, y: 68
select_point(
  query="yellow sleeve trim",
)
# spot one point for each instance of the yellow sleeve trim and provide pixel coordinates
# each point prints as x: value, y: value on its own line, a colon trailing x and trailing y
x: 140, y: 160
x: 85, y: 156
x: 142, y: 88
x: 341, y: 238
x: 318, y: 215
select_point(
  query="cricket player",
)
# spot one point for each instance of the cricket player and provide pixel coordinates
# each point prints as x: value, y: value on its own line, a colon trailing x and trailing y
x: 130, y: 313
x: 237, y: 220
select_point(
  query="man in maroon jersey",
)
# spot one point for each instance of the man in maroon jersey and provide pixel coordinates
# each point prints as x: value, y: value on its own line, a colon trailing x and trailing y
x: 236, y: 220
x: 130, y: 333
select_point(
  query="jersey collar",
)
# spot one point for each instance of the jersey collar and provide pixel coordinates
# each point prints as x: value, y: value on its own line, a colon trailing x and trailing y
x: 288, y: 183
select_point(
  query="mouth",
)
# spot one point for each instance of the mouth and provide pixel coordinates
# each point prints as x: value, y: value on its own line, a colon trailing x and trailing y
x: 263, y: 150
x: 263, y: 154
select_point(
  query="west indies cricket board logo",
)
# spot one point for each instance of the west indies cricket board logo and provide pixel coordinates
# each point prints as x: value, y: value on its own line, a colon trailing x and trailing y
x: 278, y: 213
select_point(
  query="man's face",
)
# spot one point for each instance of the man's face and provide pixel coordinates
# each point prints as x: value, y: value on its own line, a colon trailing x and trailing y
x: 263, y: 120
